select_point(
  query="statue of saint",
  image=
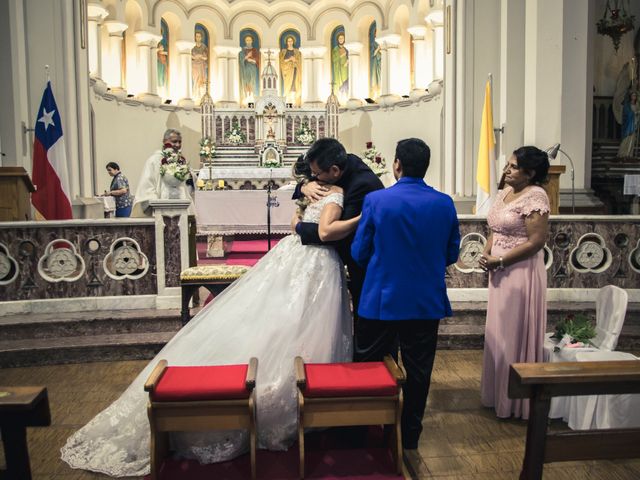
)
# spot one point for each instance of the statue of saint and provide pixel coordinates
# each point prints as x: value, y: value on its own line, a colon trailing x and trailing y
x: 291, y: 72
x: 626, y: 107
x: 249, y: 70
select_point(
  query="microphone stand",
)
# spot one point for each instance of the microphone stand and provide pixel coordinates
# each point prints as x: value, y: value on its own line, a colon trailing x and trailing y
x: 271, y: 202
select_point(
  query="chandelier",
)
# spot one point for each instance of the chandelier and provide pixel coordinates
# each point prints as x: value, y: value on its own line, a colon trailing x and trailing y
x: 615, y: 21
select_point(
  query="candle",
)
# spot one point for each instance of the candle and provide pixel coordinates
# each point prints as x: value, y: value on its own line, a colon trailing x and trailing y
x: 221, y: 184
x: 200, y: 184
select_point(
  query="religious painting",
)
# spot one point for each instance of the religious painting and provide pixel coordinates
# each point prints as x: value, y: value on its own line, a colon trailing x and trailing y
x: 412, y: 62
x: 200, y: 62
x: 375, y: 62
x: 291, y: 67
x: 339, y: 64
x: 163, y: 59
x: 249, y: 65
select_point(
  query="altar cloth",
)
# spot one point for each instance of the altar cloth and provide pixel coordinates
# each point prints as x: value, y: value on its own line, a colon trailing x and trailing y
x: 229, y: 212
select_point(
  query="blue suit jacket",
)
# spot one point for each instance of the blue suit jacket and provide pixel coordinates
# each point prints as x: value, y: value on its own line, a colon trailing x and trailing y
x: 407, y: 236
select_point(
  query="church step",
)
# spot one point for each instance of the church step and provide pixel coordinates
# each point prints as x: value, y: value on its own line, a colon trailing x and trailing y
x: 52, y: 351
x: 49, y: 325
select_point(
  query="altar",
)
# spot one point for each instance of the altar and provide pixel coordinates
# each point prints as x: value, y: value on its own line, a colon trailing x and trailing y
x: 229, y: 212
x: 246, y: 178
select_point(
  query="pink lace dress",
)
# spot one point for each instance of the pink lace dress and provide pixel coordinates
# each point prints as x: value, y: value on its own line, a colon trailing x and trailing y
x: 517, y: 307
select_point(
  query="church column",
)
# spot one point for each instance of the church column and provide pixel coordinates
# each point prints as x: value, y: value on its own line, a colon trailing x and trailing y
x: 184, y: 52
x: 147, y: 66
x: 96, y: 13
x: 233, y: 75
x: 355, y: 84
x: 435, y: 20
x: 318, y: 88
x: 420, y: 58
x: 113, y: 75
x: 558, y: 93
x: 221, y: 54
x: 307, y: 74
x: 389, y: 50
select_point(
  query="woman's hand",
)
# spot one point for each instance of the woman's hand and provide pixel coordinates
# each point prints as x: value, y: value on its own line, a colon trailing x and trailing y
x: 314, y: 191
x: 489, y: 262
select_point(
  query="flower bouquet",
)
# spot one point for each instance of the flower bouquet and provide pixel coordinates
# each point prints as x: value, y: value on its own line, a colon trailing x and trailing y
x: 236, y: 135
x: 207, y: 149
x: 374, y: 160
x: 173, y: 163
x: 305, y: 135
x: 574, y: 331
x: 271, y: 163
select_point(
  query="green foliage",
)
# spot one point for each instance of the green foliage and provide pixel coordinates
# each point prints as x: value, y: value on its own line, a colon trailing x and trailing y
x: 579, y: 327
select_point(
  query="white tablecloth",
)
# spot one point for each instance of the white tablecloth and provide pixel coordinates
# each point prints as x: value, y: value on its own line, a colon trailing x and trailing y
x: 242, y: 211
x: 244, y: 173
x: 631, y: 185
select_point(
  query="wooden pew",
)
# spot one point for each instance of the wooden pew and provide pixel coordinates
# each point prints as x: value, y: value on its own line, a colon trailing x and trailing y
x: 21, y: 407
x: 541, y: 381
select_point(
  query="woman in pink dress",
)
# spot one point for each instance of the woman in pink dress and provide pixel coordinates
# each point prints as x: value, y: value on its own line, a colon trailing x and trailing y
x: 517, y: 308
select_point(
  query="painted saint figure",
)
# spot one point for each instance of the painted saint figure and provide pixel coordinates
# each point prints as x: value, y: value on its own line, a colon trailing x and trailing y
x: 163, y: 56
x: 375, y: 63
x: 249, y: 58
x: 340, y: 65
x: 291, y: 72
x: 199, y: 66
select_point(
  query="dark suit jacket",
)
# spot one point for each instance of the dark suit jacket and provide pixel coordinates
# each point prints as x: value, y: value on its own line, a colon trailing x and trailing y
x: 356, y: 181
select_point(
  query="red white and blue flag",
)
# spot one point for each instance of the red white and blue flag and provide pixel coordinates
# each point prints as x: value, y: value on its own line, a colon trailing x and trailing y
x: 52, y: 198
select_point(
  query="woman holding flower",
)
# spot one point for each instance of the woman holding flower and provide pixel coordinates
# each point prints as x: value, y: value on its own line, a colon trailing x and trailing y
x: 164, y: 175
x: 513, y: 256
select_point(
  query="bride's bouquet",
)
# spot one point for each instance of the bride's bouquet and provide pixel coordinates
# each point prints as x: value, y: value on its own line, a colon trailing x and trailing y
x: 305, y: 135
x: 173, y: 163
x: 236, y: 135
x: 374, y: 160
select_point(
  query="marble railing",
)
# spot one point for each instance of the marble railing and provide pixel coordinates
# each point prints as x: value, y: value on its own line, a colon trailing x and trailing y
x: 582, y: 252
x: 135, y: 263
x: 94, y: 264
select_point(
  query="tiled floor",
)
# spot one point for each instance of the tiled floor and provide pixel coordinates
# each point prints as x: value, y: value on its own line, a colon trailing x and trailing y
x: 461, y: 439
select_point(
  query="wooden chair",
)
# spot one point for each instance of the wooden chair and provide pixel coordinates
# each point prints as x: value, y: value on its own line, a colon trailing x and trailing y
x: 542, y: 381
x: 214, y: 278
x: 200, y: 399
x: 344, y: 394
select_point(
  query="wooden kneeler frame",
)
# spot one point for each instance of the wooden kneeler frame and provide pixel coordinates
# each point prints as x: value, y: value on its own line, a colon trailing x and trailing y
x: 199, y: 415
x: 351, y: 411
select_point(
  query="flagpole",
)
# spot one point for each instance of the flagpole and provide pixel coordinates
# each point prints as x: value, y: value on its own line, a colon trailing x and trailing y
x: 46, y: 72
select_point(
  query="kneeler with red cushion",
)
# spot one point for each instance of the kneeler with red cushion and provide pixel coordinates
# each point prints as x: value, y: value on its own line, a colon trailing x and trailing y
x: 344, y: 394
x: 183, y: 399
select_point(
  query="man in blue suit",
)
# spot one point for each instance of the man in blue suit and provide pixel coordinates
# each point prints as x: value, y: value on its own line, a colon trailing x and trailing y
x: 407, y: 236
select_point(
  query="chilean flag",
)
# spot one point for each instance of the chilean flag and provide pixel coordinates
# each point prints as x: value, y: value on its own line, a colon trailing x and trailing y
x: 51, y: 198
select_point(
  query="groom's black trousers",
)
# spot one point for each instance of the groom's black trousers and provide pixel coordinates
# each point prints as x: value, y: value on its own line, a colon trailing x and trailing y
x: 417, y: 340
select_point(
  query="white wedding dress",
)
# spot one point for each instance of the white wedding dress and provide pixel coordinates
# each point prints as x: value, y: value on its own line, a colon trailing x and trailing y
x: 292, y: 302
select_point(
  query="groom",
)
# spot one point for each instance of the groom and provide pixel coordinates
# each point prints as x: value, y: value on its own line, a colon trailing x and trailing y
x: 330, y: 163
x: 406, y: 237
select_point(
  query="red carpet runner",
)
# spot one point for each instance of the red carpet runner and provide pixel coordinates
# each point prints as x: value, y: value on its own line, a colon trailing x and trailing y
x: 325, y: 459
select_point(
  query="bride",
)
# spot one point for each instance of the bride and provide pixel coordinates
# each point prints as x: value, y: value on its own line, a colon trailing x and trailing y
x: 292, y: 302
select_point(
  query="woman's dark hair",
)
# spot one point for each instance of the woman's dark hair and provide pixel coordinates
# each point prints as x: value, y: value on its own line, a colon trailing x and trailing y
x: 302, y: 169
x: 113, y: 165
x: 535, y: 160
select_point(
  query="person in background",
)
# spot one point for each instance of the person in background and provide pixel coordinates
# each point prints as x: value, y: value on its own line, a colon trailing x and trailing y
x: 514, y: 258
x: 120, y: 190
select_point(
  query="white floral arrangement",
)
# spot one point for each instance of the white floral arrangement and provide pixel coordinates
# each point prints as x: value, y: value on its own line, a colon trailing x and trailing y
x: 305, y: 135
x: 236, y: 135
x: 207, y: 149
x: 173, y: 163
x: 271, y: 163
x: 374, y: 160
